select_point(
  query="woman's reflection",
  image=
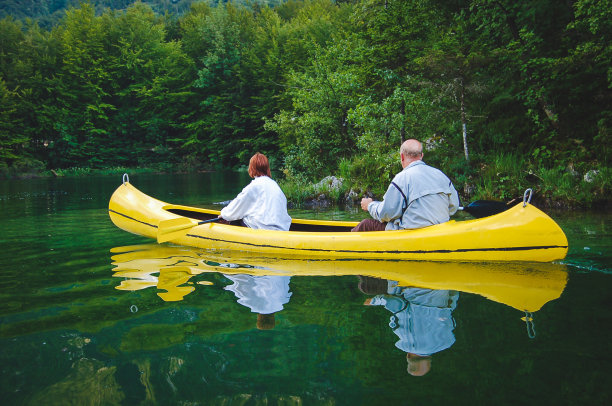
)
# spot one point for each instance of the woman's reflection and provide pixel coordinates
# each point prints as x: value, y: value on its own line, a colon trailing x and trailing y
x: 264, y: 295
x: 421, y: 318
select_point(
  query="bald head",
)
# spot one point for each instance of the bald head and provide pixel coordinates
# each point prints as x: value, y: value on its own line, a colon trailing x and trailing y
x: 410, y: 151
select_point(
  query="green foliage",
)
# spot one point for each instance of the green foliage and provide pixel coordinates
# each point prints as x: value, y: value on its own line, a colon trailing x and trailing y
x: 297, y: 191
x: 10, y: 142
x: 317, y: 125
x: 323, y: 87
x: 506, y: 177
x: 48, y: 13
x: 371, y: 173
x: 221, y: 35
x: 503, y: 177
x: 559, y: 184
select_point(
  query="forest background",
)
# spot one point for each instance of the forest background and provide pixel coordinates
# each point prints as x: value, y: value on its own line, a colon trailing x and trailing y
x: 505, y: 95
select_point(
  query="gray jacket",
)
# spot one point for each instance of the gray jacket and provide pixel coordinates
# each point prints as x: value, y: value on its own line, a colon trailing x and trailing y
x: 419, y: 196
x: 422, y: 318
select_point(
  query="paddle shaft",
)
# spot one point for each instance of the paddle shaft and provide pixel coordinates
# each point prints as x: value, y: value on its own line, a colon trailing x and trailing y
x: 485, y: 208
x: 208, y: 221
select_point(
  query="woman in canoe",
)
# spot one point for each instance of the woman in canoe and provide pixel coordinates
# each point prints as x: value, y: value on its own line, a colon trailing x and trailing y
x: 261, y: 204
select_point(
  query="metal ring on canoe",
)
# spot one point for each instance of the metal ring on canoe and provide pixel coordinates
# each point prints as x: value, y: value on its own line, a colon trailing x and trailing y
x: 527, y: 197
x: 126, y: 178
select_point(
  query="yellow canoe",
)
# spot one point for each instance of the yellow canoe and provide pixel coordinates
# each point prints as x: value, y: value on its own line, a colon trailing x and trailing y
x: 522, y: 233
x: 525, y: 286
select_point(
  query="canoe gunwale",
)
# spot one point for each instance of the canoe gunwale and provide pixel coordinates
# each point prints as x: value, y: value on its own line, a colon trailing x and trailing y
x: 296, y: 224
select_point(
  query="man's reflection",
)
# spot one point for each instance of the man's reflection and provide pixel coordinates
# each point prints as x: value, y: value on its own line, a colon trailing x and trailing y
x: 421, y: 318
x: 264, y: 295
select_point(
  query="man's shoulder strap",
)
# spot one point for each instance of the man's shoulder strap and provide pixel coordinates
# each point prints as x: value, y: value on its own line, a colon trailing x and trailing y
x: 405, y: 205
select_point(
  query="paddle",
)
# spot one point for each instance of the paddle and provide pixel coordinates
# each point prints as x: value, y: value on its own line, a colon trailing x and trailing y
x: 174, y: 228
x: 485, y: 208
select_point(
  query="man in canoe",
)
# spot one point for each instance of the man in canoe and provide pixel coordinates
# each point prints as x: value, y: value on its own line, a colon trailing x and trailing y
x: 419, y: 196
x: 261, y: 204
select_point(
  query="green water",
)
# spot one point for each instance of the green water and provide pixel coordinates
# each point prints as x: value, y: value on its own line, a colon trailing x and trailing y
x: 68, y: 336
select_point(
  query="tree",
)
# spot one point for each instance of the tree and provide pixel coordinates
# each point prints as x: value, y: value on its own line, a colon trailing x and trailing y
x: 11, y: 131
x: 587, y: 72
x: 81, y: 114
x: 213, y: 133
x: 454, y: 66
x: 315, y: 132
x: 12, y: 139
x: 151, y: 83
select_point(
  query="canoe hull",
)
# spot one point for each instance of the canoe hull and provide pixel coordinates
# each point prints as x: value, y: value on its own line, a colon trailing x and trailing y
x: 522, y: 233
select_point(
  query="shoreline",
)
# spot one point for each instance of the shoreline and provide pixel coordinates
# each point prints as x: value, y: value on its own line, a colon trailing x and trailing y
x: 323, y: 202
x: 328, y: 193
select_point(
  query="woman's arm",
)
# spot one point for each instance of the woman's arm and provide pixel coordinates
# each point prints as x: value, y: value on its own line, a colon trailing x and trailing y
x: 240, y: 206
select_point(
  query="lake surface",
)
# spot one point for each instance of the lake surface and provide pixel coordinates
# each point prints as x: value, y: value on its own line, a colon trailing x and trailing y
x: 92, y: 315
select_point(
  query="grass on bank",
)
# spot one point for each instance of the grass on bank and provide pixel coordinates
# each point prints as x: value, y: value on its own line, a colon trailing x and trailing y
x: 508, y: 176
x: 76, y: 172
x: 502, y: 178
x: 38, y: 171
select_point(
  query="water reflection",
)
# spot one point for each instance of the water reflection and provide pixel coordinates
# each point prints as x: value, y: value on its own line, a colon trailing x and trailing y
x: 264, y: 295
x: 421, y: 318
x: 177, y: 271
x: 420, y: 296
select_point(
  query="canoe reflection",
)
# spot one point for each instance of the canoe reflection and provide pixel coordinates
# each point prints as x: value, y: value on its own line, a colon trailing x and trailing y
x: 523, y: 286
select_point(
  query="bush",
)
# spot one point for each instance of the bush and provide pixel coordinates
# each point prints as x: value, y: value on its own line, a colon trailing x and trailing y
x: 502, y: 177
x: 24, y: 167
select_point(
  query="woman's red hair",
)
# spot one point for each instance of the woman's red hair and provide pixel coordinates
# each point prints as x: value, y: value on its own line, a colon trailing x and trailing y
x: 259, y: 166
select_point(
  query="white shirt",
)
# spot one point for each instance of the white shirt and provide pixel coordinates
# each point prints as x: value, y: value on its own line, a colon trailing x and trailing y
x: 261, y: 294
x: 430, y: 199
x: 261, y: 204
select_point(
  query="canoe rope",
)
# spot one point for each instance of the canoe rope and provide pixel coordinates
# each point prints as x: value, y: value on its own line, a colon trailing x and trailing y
x: 531, y: 333
x: 126, y: 178
x: 527, y: 200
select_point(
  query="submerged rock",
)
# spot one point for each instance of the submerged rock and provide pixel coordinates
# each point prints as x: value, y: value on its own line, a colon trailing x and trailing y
x: 351, y: 198
x: 318, y: 202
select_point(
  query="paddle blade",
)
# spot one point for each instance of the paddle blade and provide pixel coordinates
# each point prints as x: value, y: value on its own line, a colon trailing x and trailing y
x: 485, y: 208
x: 174, y: 228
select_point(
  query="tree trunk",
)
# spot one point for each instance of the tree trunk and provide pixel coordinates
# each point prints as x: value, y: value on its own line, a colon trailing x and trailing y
x: 464, y: 121
x: 403, y: 129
